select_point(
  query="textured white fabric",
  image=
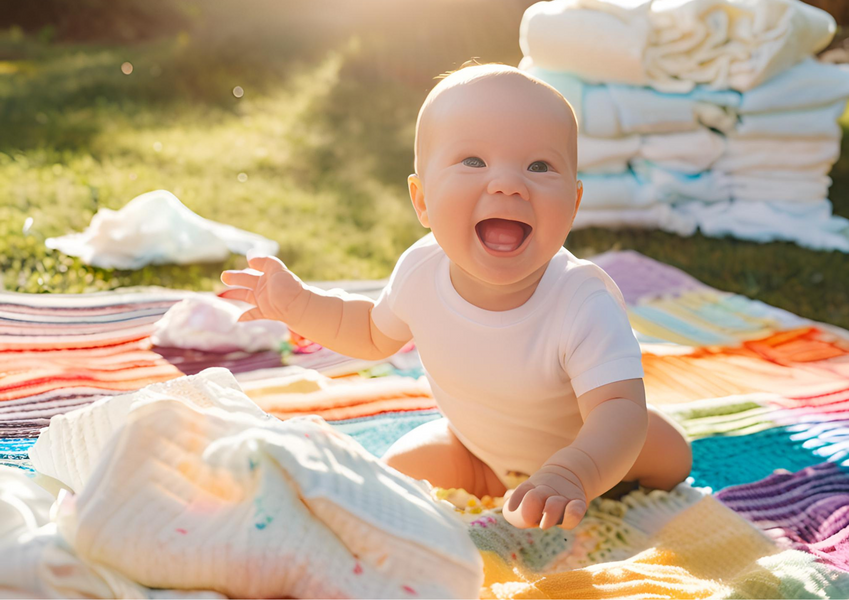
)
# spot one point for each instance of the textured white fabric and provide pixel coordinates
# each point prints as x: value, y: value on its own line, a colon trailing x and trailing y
x: 672, y: 45
x: 206, y: 322
x: 597, y: 40
x: 815, y: 156
x: 810, y: 84
x: 819, y: 122
x: 508, y: 381
x: 600, y: 155
x: 655, y: 216
x: 661, y: 185
x: 189, y: 485
x: 776, y: 186
x: 156, y: 228
x: 688, y: 153
x: 611, y: 192
x: 807, y: 224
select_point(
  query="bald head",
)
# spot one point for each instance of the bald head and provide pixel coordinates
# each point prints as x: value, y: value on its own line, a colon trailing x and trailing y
x: 495, y: 87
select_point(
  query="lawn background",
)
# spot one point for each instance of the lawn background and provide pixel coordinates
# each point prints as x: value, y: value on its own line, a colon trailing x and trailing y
x: 314, y: 154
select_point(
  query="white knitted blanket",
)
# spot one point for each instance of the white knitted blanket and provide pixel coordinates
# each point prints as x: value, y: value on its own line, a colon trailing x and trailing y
x: 189, y: 485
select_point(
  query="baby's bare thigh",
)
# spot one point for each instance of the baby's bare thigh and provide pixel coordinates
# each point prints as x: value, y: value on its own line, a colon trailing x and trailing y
x: 666, y: 457
x: 432, y: 452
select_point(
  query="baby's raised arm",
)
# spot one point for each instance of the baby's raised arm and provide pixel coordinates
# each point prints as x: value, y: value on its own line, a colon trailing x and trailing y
x: 341, y: 323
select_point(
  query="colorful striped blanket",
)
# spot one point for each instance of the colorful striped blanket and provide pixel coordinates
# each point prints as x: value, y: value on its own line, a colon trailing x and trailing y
x: 763, y: 395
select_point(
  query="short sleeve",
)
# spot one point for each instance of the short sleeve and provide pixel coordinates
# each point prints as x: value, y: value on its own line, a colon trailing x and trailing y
x: 384, y: 314
x: 598, y: 346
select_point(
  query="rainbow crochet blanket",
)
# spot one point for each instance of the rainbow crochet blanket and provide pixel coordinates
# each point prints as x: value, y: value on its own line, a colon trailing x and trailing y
x: 762, y: 393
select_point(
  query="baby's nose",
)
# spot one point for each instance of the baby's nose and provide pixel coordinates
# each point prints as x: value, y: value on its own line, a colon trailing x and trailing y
x: 507, y: 183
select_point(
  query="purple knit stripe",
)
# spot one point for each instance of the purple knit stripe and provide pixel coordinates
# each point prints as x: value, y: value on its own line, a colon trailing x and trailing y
x: 807, y: 510
x: 641, y: 277
x: 775, y: 483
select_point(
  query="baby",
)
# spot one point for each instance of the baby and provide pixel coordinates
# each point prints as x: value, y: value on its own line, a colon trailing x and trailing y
x: 528, y: 350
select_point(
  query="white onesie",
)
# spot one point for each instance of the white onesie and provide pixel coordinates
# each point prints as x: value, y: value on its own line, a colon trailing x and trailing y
x: 507, y: 381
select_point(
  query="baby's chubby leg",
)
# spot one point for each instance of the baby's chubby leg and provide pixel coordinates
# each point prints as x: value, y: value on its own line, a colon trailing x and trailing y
x: 666, y: 457
x: 432, y: 452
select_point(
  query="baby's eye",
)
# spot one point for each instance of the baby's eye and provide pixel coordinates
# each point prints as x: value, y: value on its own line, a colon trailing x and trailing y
x: 474, y: 161
x: 538, y: 166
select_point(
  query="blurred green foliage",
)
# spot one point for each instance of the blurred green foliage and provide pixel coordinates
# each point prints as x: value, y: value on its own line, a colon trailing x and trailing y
x: 323, y: 136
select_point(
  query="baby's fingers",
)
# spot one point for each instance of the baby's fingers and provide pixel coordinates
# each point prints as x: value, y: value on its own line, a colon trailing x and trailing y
x: 517, y: 495
x: 240, y: 279
x: 242, y: 294
x: 553, y: 512
x: 252, y: 315
x: 266, y: 264
x: 573, y: 514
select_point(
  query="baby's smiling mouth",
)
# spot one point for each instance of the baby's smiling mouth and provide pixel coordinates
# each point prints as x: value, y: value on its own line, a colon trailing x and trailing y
x: 503, y: 235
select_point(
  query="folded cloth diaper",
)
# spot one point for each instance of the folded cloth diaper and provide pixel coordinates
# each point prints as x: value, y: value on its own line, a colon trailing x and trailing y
x: 687, y: 153
x: 188, y: 484
x: 781, y: 186
x: 655, y: 216
x: 807, y: 224
x: 156, y: 228
x: 206, y: 322
x: 606, y: 155
x: 818, y: 122
x: 813, y: 156
x: 661, y: 185
x: 810, y: 84
x: 672, y: 45
x: 612, y: 191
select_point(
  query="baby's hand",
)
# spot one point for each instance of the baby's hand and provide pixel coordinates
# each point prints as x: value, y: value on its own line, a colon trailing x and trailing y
x: 551, y: 496
x: 271, y: 291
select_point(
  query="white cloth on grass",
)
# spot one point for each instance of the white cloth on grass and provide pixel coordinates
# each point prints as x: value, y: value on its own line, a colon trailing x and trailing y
x: 156, y: 228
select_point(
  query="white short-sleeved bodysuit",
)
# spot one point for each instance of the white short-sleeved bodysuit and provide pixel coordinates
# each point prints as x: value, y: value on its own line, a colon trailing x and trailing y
x: 508, y: 381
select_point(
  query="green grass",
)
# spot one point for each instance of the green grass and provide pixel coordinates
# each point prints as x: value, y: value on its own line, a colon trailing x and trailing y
x: 324, y: 134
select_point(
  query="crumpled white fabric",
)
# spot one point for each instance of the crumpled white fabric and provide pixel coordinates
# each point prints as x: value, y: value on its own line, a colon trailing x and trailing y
x: 811, y: 156
x: 810, y: 84
x: 808, y: 224
x: 187, y: 484
x: 36, y: 561
x: 673, y: 45
x: 156, y: 228
x: 206, y: 322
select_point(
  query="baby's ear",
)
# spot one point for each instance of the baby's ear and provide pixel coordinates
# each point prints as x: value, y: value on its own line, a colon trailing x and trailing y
x: 418, y: 199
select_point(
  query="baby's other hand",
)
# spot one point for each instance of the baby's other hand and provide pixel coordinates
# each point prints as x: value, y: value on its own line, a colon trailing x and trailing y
x: 551, y: 496
x: 268, y: 285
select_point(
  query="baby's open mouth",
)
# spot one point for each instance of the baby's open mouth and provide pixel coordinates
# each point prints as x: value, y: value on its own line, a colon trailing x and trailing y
x: 503, y: 235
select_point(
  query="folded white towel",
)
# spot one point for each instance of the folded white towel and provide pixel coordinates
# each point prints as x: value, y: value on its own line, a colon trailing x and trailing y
x: 606, y: 156
x: 657, y: 216
x: 809, y: 84
x: 156, y: 228
x: 688, y: 152
x: 814, y: 156
x: 661, y: 185
x: 619, y: 191
x: 818, y: 122
x: 674, y: 45
x: 782, y: 186
x: 188, y: 484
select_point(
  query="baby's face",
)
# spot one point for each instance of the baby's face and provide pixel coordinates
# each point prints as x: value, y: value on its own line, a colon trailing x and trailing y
x: 497, y: 167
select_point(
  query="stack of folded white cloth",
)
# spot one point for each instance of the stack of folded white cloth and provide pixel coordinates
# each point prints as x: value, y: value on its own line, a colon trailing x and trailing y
x: 709, y: 114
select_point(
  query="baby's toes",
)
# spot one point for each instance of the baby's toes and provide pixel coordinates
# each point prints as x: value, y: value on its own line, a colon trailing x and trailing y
x: 575, y: 511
